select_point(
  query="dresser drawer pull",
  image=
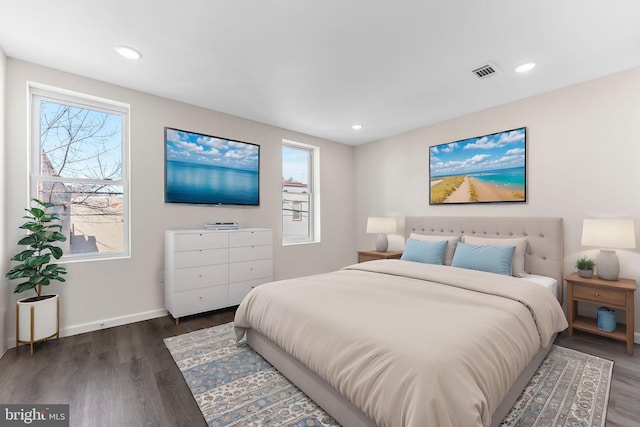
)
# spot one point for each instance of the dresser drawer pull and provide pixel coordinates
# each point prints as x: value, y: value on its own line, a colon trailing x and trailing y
x: 596, y: 294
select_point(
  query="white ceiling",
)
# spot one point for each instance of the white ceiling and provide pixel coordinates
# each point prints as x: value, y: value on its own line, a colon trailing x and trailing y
x: 320, y: 66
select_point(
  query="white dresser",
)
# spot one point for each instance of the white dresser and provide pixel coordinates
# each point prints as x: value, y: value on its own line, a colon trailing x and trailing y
x: 206, y: 270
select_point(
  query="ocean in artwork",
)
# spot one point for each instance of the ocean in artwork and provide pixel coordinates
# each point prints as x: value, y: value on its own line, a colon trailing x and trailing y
x: 207, y: 184
x: 512, y: 178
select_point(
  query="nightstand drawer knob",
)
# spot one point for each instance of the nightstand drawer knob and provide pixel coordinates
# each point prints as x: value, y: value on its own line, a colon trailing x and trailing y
x: 597, y: 294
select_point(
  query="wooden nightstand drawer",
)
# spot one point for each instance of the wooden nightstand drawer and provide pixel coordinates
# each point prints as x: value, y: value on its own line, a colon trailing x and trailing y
x: 599, y: 296
x: 364, y: 256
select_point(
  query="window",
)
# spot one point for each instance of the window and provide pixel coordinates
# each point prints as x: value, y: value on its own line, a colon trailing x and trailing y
x: 297, y: 210
x: 300, y: 196
x: 78, y: 163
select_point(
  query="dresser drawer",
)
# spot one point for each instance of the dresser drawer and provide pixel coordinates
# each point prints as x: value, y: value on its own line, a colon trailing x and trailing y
x: 599, y: 296
x: 249, y: 270
x: 200, y: 277
x: 203, y: 240
x: 199, y: 300
x: 250, y: 253
x: 250, y: 238
x: 237, y: 291
x: 201, y: 257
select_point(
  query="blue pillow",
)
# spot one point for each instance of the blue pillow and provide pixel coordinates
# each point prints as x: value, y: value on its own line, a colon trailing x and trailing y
x: 494, y: 259
x: 426, y: 252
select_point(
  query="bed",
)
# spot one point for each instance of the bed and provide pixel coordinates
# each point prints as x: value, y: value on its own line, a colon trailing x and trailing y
x: 403, y: 343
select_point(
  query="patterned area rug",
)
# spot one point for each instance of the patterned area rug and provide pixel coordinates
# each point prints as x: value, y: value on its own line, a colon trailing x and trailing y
x: 570, y: 388
x: 235, y: 387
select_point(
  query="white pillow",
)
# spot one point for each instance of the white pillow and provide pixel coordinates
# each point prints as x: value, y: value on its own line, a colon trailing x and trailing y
x: 548, y: 283
x: 452, y: 241
x: 517, y: 263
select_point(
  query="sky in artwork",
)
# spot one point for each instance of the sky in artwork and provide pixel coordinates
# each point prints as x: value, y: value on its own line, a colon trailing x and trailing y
x: 497, y: 151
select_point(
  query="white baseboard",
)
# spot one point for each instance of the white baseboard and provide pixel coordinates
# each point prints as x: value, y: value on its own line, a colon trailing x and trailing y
x: 101, y: 324
x: 110, y: 323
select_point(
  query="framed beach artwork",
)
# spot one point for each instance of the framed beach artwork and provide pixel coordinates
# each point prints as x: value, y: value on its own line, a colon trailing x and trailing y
x: 484, y: 169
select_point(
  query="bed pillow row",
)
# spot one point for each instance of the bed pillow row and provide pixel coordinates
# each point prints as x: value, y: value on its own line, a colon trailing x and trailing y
x: 431, y: 249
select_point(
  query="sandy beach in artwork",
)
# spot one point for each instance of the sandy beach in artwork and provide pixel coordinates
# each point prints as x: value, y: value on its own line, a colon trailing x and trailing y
x: 484, y: 192
x: 491, y: 193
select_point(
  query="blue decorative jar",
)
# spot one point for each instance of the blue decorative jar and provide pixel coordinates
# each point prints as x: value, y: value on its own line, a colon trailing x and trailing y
x: 606, y: 319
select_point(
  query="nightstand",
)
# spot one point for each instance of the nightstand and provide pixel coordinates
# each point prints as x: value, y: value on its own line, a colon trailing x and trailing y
x: 373, y: 255
x: 608, y: 293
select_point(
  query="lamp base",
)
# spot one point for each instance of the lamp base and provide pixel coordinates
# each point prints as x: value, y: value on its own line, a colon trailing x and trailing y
x: 382, y: 243
x: 607, y: 265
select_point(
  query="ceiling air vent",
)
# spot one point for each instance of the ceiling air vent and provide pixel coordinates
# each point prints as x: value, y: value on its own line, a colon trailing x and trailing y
x: 485, y: 71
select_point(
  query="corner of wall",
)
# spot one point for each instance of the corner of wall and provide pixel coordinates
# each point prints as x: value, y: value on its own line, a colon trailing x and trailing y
x: 4, y: 292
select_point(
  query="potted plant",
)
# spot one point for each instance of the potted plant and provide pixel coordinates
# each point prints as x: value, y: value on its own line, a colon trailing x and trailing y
x: 37, y: 317
x: 585, y: 267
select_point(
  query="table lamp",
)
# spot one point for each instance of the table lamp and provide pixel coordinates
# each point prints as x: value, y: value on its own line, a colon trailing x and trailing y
x: 382, y: 226
x: 609, y: 234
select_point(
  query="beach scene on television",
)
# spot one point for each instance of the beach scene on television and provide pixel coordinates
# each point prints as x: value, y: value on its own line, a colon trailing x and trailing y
x: 204, y: 169
x: 484, y: 169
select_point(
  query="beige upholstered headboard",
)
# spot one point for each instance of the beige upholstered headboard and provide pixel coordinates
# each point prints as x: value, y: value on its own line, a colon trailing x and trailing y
x: 545, y: 236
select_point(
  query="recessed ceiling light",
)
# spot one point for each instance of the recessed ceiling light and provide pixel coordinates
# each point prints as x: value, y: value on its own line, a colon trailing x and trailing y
x: 357, y: 126
x: 525, y: 67
x: 128, y: 52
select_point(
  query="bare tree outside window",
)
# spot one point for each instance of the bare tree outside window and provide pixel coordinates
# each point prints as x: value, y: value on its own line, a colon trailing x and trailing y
x: 79, y: 169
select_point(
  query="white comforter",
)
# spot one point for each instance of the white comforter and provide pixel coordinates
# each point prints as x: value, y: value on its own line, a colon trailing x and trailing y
x: 410, y: 344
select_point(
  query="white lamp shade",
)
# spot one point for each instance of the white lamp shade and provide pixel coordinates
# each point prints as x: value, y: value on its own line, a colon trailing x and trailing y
x: 609, y: 233
x: 382, y: 225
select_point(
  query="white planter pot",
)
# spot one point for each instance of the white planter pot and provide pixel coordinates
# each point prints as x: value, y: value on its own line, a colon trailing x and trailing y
x: 45, y: 319
x: 588, y: 274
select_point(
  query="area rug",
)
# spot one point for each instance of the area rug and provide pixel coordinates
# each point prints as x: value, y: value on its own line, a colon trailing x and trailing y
x: 235, y: 387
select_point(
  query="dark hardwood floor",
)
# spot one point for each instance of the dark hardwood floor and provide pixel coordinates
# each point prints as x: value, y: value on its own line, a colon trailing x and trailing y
x: 122, y: 376
x: 125, y: 376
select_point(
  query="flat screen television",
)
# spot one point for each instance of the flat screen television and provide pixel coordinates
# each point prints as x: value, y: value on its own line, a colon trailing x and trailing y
x: 484, y: 169
x: 209, y: 170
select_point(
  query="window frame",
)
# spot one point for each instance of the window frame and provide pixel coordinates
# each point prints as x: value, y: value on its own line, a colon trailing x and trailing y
x: 313, y: 190
x: 38, y: 93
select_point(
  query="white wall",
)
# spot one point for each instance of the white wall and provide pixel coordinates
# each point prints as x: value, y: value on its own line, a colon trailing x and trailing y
x: 119, y: 291
x: 583, y: 146
x: 4, y: 288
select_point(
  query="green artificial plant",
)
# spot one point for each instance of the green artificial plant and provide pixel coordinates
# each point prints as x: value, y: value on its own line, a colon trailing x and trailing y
x: 35, y: 261
x: 585, y: 263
